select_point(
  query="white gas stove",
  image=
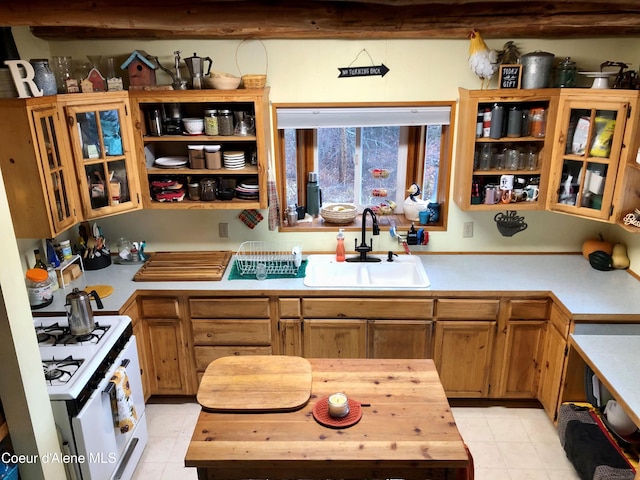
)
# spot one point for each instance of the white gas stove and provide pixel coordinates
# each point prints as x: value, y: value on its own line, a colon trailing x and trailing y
x: 78, y: 370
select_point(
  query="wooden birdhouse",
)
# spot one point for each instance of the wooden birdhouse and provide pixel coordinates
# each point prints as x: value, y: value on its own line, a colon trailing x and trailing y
x: 142, y: 72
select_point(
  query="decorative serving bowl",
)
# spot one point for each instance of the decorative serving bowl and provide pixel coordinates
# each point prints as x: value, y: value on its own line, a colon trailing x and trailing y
x: 222, y: 81
x: 339, y: 213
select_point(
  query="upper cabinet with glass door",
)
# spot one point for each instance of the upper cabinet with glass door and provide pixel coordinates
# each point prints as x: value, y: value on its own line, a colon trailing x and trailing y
x: 36, y: 168
x: 590, y: 145
x: 102, y: 142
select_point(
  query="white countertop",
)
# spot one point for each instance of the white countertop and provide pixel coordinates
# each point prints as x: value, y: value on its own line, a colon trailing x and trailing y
x: 582, y: 289
x: 614, y: 358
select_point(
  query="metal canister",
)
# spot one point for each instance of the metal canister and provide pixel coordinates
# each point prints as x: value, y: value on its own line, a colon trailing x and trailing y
x: 536, y: 69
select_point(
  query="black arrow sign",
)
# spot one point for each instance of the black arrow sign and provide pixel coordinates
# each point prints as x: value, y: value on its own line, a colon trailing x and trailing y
x: 371, y: 71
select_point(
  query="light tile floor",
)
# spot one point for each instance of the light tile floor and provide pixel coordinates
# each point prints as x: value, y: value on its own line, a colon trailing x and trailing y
x: 507, y: 443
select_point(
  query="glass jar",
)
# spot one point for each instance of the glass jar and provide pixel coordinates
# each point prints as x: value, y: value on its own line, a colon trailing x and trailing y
x: 39, y: 288
x: 44, y: 77
x: 207, y: 189
x: 566, y: 73
x: 211, y: 122
x: 538, y: 122
x: 225, y: 122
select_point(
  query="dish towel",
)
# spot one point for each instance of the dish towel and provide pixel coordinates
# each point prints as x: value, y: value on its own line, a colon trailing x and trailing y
x: 250, y: 217
x: 122, y: 407
x: 272, y: 196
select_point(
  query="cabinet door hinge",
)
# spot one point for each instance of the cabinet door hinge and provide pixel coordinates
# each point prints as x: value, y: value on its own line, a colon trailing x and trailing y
x: 138, y: 197
x: 629, y: 112
x: 611, y: 210
x: 126, y: 111
x: 301, y: 327
x: 566, y: 350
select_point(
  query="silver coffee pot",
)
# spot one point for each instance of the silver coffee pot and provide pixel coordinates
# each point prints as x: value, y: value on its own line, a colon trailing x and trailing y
x: 79, y: 311
x: 195, y: 65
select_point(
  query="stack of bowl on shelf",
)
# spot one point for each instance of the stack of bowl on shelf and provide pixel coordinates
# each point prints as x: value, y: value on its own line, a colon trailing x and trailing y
x: 233, y: 160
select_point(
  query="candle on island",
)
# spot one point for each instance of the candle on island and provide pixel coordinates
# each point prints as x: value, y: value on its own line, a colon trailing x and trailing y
x: 338, y: 405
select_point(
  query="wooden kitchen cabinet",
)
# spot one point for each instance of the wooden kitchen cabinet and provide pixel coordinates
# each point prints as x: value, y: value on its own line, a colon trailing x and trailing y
x: 519, y: 349
x: 366, y: 328
x: 229, y: 326
x: 139, y: 331
x: 169, y: 345
x: 101, y: 134
x: 473, y: 174
x: 193, y: 103
x: 400, y: 338
x: 553, y: 361
x: 37, y: 167
x: 463, y: 345
x: 334, y: 338
x: 592, y: 145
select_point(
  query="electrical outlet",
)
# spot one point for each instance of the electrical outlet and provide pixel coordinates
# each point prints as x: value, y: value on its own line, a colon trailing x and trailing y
x: 467, y: 230
x: 223, y: 230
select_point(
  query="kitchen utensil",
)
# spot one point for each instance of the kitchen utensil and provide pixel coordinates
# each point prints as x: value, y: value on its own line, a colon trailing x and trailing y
x: 79, y: 311
x: 256, y: 383
x: 195, y: 65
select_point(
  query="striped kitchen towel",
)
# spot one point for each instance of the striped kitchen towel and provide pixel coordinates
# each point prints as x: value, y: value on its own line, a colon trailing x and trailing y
x: 250, y: 217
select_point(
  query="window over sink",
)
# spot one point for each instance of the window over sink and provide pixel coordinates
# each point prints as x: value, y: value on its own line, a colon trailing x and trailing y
x: 365, y: 154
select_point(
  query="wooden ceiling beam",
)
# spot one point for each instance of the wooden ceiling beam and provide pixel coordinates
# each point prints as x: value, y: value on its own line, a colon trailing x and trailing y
x: 354, y: 19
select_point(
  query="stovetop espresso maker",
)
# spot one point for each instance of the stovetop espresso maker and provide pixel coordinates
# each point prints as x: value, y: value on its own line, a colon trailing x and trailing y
x: 195, y: 65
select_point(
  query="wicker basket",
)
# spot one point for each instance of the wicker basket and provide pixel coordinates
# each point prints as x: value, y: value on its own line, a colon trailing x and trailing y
x: 340, y: 213
x: 254, y: 81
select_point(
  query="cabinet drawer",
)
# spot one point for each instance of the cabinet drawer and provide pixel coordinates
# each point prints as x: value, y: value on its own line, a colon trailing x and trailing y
x: 159, y: 307
x: 231, y: 332
x: 290, y: 308
x: 528, y: 309
x: 467, y: 309
x: 206, y: 355
x: 412, y: 309
x: 229, y: 308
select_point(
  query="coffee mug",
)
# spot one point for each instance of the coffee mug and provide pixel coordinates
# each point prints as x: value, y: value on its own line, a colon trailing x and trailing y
x: 506, y: 182
x: 519, y: 194
x: 507, y: 196
x: 532, y: 192
x: 491, y: 195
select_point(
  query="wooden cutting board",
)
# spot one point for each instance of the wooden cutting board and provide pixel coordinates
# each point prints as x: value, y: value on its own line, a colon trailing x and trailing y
x: 184, y: 266
x: 255, y: 383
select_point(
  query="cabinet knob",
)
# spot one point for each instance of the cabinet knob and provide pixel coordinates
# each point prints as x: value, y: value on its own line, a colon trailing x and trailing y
x: 70, y: 120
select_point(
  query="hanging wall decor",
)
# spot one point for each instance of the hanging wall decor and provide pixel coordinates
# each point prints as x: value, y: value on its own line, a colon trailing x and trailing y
x: 365, y: 71
x: 509, y: 223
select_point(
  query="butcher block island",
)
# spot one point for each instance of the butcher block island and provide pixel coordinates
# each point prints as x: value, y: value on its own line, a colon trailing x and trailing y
x: 406, y: 429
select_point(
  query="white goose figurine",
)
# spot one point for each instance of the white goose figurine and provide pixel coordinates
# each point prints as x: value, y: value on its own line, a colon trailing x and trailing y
x: 413, y: 204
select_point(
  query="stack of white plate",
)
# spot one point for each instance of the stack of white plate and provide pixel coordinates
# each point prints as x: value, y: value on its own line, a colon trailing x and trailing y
x: 233, y: 160
x: 248, y: 190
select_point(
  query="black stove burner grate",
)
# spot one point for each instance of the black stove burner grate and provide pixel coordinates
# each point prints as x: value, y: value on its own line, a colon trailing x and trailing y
x: 56, y: 334
x: 59, y: 372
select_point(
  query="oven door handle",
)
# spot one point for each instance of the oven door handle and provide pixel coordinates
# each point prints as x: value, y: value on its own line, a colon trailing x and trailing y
x: 110, y: 388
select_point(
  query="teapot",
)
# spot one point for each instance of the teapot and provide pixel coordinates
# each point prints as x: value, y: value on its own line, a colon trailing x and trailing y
x: 195, y: 65
x: 79, y: 311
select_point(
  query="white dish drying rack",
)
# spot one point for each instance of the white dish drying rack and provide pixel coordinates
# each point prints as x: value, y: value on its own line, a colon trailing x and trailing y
x: 279, y: 258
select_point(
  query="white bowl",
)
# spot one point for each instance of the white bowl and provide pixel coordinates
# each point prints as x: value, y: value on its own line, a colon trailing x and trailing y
x: 222, y: 81
x: 193, y: 126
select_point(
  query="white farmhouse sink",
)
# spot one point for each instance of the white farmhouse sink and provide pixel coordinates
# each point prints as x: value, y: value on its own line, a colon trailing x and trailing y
x: 406, y: 271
